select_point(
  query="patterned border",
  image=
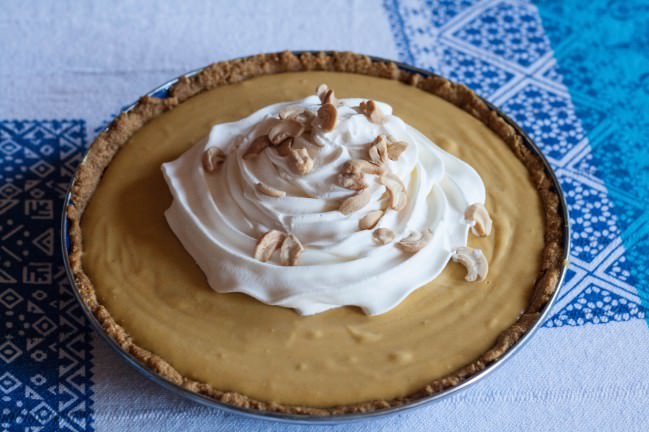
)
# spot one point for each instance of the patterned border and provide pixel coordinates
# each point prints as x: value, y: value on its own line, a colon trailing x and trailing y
x: 500, y: 49
x: 45, y: 351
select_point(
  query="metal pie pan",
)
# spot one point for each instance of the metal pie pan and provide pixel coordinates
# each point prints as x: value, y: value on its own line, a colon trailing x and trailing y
x: 162, y: 92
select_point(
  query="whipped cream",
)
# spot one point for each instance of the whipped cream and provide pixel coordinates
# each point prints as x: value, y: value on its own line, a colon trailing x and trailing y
x: 219, y: 216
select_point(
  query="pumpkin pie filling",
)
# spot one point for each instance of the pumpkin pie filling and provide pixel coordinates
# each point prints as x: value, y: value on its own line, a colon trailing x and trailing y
x: 152, y: 288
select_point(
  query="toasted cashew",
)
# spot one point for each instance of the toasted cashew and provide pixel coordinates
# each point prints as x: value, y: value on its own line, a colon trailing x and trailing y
x: 474, y: 261
x: 355, y: 202
x: 211, y: 159
x: 267, y: 244
x: 383, y: 236
x: 414, y: 242
x: 478, y: 215
x: 257, y: 146
x: 269, y: 190
x: 289, y: 253
x: 370, y: 220
x: 396, y: 190
x: 285, y: 129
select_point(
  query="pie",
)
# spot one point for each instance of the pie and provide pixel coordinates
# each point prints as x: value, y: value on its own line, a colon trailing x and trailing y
x: 151, y: 297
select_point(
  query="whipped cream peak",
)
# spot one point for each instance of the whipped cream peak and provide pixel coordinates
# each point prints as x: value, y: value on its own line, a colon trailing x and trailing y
x: 322, y: 203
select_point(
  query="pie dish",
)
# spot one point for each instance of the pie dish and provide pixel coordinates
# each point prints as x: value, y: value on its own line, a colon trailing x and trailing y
x: 142, y: 289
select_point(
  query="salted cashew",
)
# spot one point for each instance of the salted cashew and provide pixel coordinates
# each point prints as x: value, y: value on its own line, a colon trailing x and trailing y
x: 355, y: 202
x: 395, y: 148
x: 370, y: 220
x: 300, y: 161
x: 257, y: 146
x: 297, y: 113
x: 474, y: 261
x: 378, y: 151
x: 284, y: 129
x: 396, y: 190
x: 360, y: 166
x: 211, y: 159
x: 327, y: 118
x: 372, y: 111
x: 478, y: 215
x: 267, y: 244
x: 383, y: 236
x: 415, y: 242
x: 290, y: 251
x: 269, y: 190
x: 351, y: 181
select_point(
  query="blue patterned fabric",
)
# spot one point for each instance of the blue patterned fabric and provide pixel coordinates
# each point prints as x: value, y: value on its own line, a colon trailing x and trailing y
x: 574, y: 74
x: 500, y: 50
x: 45, y: 357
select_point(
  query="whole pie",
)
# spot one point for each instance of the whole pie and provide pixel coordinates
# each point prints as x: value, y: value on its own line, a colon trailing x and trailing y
x: 306, y: 320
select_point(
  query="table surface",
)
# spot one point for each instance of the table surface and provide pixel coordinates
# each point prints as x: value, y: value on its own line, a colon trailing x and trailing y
x: 574, y: 74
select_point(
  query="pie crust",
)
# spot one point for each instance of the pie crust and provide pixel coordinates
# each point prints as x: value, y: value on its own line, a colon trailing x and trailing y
x: 108, y: 143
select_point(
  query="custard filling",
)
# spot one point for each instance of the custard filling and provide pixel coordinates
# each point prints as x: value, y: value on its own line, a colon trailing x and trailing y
x: 153, y: 288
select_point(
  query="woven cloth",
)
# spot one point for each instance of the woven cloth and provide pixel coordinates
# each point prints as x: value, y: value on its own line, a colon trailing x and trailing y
x: 574, y: 74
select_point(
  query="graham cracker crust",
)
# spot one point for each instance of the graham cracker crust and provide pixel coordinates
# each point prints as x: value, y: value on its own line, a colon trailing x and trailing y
x: 108, y: 143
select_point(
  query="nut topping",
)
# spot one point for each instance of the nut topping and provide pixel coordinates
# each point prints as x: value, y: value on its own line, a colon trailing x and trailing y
x: 290, y: 252
x: 257, y: 146
x: 474, y: 261
x: 269, y: 190
x: 285, y: 129
x: 383, y: 236
x: 327, y: 117
x: 321, y: 91
x: 396, y: 148
x: 396, y: 190
x: 326, y: 95
x: 360, y: 166
x: 284, y: 149
x: 267, y: 244
x: 372, y: 111
x: 370, y: 220
x: 211, y: 159
x: 300, y: 161
x: 414, y: 242
x: 355, y: 202
x: 351, y: 181
x: 378, y: 151
x: 479, y: 216
x: 299, y: 114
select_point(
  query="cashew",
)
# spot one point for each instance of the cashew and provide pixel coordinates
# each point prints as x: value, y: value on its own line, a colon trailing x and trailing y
x: 269, y: 190
x: 267, y: 244
x: 360, y: 166
x: 300, y: 161
x: 474, y: 261
x: 257, y: 146
x: 378, y: 151
x: 479, y: 216
x: 383, y: 236
x: 355, y: 202
x: 290, y: 252
x: 211, y: 159
x: 414, y: 242
x: 327, y: 117
x: 372, y: 111
x: 297, y: 113
x: 395, y: 149
x: 285, y: 129
x: 396, y: 190
x: 351, y: 181
x: 370, y: 220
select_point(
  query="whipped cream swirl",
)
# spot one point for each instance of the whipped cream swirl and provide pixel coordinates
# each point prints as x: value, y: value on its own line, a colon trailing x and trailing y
x: 219, y: 216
